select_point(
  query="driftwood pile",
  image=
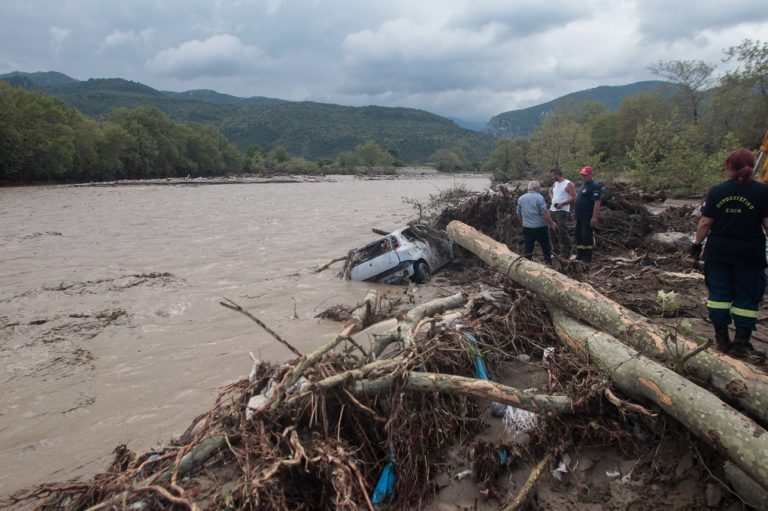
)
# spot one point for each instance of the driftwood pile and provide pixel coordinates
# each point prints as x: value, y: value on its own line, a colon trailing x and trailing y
x: 364, y: 425
x: 317, y: 433
x: 625, y: 220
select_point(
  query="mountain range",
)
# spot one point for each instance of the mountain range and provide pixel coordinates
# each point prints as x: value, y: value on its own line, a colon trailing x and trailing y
x: 309, y: 129
x: 520, y: 123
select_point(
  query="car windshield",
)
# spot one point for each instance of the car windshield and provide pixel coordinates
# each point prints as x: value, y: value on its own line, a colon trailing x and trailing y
x: 411, y: 235
x: 375, y: 249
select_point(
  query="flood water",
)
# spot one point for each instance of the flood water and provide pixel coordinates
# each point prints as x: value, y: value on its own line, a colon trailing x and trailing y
x: 110, y: 325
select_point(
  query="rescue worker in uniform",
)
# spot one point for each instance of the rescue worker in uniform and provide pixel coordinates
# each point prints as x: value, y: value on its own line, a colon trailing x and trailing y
x: 588, y: 199
x: 733, y: 217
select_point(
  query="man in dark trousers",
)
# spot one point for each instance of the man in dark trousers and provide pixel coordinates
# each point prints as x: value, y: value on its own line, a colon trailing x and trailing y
x: 532, y: 213
x: 732, y: 221
x: 587, y: 207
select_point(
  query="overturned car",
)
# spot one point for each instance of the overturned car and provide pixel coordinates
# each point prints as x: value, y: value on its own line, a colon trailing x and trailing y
x: 412, y: 253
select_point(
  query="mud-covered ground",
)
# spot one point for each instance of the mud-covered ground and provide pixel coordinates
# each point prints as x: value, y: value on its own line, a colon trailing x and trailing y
x: 652, y: 463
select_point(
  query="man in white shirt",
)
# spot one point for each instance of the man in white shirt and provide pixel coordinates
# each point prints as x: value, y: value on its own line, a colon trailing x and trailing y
x: 562, y: 195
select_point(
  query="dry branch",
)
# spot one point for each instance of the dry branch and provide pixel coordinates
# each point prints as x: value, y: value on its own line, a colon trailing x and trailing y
x: 406, y: 329
x: 482, y: 389
x: 530, y: 484
x: 329, y: 263
x: 359, y: 316
x: 731, y: 378
x: 229, y: 304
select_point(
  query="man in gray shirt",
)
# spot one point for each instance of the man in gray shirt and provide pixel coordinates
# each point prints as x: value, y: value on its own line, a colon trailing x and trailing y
x: 533, y: 214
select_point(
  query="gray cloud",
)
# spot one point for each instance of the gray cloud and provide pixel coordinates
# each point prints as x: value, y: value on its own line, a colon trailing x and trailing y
x: 459, y: 58
x: 219, y: 55
x: 663, y: 19
x: 59, y: 37
x: 523, y: 17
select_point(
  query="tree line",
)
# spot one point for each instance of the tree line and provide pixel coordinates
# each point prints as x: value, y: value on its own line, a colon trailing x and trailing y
x: 676, y: 139
x: 44, y: 140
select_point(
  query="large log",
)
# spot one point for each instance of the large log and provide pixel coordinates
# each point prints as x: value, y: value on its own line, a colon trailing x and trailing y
x: 735, y: 436
x: 730, y: 378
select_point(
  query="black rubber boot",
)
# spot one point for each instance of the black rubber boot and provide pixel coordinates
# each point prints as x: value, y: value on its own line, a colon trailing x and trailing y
x: 722, y: 339
x: 742, y: 347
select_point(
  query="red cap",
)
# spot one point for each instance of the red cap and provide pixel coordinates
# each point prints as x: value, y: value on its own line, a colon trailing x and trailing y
x: 586, y: 171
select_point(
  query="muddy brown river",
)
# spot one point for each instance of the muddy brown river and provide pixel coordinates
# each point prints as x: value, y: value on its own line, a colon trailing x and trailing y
x: 110, y: 325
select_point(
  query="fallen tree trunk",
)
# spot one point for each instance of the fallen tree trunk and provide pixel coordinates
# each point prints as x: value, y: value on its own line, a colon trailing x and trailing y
x: 483, y: 389
x: 735, y: 436
x: 731, y: 378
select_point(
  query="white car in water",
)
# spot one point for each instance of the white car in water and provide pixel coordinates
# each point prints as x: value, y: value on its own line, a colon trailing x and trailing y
x: 411, y: 253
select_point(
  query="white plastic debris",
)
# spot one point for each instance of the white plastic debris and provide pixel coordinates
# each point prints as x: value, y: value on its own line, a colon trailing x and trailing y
x: 548, y: 352
x: 562, y: 468
x: 463, y: 474
x: 260, y: 401
x: 517, y: 421
x: 254, y: 370
x: 667, y: 300
x: 616, y: 474
x: 628, y: 476
x: 300, y: 385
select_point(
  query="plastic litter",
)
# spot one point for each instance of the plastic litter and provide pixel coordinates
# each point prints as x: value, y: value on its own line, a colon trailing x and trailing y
x: 385, y: 485
x: 562, y: 468
x: 517, y: 420
x: 463, y: 474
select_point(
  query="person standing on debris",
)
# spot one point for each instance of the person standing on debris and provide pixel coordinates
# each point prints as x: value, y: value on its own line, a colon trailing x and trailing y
x: 562, y: 195
x: 532, y: 213
x: 733, y: 217
x: 587, y: 208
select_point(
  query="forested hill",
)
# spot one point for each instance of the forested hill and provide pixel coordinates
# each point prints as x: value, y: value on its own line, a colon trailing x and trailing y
x: 312, y: 130
x: 520, y: 123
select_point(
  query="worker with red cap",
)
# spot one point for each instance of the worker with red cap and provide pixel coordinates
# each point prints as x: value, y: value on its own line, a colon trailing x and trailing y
x: 587, y: 207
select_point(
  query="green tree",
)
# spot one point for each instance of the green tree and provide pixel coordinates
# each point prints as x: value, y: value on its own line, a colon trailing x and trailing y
x: 348, y: 160
x: 256, y: 161
x: 112, y: 146
x: 752, y: 72
x: 509, y: 158
x: 41, y: 144
x: 740, y: 104
x: 562, y: 140
x: 677, y: 159
x: 450, y: 160
x: 300, y: 166
x: 278, y: 154
x: 372, y: 156
x: 692, y: 76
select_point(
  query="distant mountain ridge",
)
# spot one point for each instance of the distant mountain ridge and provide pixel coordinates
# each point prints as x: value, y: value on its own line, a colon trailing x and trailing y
x: 40, y: 79
x: 520, y: 123
x: 308, y: 129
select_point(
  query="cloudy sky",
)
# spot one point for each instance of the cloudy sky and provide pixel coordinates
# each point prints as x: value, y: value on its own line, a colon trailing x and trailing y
x: 469, y: 59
